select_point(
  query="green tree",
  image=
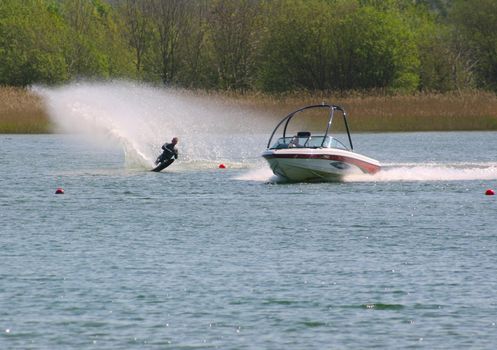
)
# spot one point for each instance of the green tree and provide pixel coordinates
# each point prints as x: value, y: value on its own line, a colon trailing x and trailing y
x: 322, y: 45
x: 136, y: 28
x: 234, y: 30
x: 195, y: 56
x: 297, y: 51
x: 475, y: 27
x: 444, y: 65
x: 96, y: 48
x: 377, y: 50
x: 31, y: 44
x: 168, y: 20
x: 277, y: 45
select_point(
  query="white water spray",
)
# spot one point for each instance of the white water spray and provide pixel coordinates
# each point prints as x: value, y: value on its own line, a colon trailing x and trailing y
x: 140, y: 118
x: 401, y: 172
x: 430, y: 172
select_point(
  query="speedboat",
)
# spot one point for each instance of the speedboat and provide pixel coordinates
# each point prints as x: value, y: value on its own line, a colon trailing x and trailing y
x: 321, y: 157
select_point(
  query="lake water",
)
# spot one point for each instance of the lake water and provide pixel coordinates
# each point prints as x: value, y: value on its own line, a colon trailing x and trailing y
x: 197, y: 257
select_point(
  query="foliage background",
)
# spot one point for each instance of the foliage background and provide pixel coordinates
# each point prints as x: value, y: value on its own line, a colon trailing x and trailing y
x: 394, y: 46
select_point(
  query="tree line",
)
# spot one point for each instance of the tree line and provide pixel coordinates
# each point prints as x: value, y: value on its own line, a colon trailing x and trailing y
x: 253, y: 45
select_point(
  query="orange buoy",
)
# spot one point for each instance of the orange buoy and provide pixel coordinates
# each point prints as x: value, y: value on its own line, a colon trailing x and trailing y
x: 489, y: 192
x: 59, y: 191
x: 222, y: 166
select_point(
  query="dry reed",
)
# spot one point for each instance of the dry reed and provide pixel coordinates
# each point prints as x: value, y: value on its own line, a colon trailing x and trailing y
x: 22, y: 112
x: 469, y: 110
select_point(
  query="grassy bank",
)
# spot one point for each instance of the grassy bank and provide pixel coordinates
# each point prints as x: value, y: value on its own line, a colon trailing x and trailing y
x: 21, y: 111
x: 471, y: 110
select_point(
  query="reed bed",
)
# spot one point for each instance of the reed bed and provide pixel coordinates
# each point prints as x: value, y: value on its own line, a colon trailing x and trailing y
x: 22, y: 112
x: 376, y: 112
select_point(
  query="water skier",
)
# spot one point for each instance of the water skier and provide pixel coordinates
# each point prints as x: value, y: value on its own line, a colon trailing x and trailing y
x: 170, y: 152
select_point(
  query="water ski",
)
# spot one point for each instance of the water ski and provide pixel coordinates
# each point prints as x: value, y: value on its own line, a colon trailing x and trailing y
x: 163, y: 165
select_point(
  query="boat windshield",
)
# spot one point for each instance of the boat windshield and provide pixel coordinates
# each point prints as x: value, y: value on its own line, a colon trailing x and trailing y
x: 308, y: 142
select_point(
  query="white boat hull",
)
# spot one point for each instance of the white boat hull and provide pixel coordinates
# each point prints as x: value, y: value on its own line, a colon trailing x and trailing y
x: 322, y: 164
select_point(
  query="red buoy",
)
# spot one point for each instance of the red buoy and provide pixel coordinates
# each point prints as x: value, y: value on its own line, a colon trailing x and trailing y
x: 59, y: 191
x: 222, y: 166
x: 489, y: 192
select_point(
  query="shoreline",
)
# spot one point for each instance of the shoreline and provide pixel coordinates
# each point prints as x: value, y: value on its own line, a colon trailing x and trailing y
x: 23, y: 112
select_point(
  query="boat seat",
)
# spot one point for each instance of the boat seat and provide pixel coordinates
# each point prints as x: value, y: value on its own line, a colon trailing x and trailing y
x: 303, y: 134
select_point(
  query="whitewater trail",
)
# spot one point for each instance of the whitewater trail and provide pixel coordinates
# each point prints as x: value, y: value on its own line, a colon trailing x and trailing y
x: 140, y: 118
x: 430, y: 172
x: 401, y: 172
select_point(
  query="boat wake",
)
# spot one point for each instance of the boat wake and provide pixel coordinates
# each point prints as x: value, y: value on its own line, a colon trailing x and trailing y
x: 259, y: 175
x: 430, y: 172
x: 400, y: 172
